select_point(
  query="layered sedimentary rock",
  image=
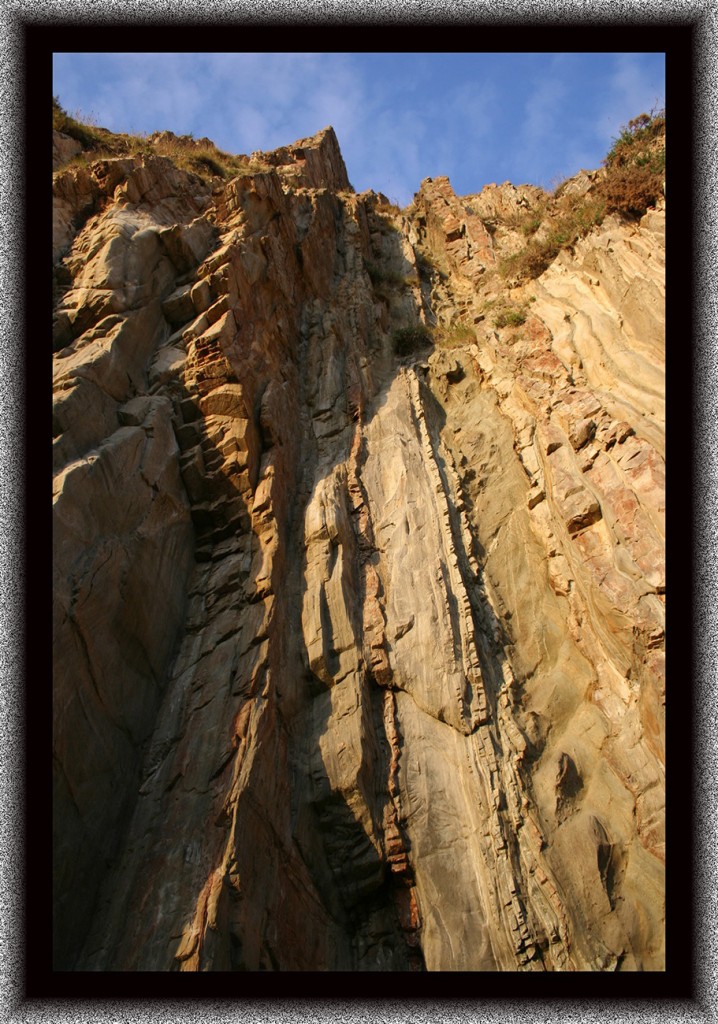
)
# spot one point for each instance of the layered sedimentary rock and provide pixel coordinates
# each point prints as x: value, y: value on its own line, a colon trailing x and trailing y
x: 358, y: 657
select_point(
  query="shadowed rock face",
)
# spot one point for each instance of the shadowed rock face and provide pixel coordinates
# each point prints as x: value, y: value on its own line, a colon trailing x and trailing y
x: 358, y: 658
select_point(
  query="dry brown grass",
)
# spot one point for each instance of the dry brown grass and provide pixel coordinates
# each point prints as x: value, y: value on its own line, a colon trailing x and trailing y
x: 636, y: 166
x: 569, y: 219
x: 454, y: 335
x: 633, y: 180
x: 200, y: 157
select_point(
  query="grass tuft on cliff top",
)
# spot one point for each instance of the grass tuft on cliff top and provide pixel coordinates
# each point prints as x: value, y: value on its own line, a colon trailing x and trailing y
x: 632, y: 179
x: 197, y: 156
x: 636, y: 166
x: 88, y: 135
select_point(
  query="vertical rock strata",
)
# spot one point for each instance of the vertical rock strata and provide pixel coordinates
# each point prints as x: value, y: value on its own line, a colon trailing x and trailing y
x: 358, y: 658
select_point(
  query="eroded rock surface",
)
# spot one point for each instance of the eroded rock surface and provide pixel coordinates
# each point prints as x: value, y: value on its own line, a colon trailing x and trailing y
x: 358, y: 659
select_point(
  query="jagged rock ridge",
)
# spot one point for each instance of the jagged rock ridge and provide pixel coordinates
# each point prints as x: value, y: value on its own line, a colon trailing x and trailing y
x: 358, y: 658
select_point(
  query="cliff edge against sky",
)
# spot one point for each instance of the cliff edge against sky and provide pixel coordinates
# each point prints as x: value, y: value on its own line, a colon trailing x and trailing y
x: 359, y: 566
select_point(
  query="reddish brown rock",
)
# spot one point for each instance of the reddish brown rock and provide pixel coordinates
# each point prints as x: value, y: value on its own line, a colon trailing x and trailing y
x: 359, y: 659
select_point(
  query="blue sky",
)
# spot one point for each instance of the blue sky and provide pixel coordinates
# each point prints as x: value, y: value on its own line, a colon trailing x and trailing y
x: 400, y: 117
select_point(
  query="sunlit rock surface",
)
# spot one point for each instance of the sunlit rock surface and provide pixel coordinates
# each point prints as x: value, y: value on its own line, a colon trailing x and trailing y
x: 358, y: 658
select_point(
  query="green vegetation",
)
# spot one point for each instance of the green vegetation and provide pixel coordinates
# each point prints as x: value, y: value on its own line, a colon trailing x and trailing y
x: 199, y: 157
x: 455, y: 334
x: 392, y: 208
x: 407, y: 340
x: 532, y: 223
x: 558, y: 185
x: 379, y: 276
x: 636, y: 166
x: 632, y: 181
x: 202, y: 157
x: 86, y: 133
x: 510, y: 317
x: 529, y: 221
x: 385, y: 214
x: 386, y: 282
x: 638, y: 136
x: 570, y: 220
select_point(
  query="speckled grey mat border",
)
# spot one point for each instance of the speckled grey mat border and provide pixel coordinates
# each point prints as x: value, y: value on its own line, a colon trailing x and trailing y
x: 12, y: 584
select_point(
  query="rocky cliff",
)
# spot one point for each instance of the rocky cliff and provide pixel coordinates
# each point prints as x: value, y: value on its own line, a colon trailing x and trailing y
x: 359, y: 575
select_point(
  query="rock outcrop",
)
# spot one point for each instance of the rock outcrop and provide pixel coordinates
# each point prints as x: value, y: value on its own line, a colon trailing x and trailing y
x: 359, y: 657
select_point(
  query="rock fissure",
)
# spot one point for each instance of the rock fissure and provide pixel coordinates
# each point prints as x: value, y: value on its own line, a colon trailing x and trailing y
x: 359, y: 576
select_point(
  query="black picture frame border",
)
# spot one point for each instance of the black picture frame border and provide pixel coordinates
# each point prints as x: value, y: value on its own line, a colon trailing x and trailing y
x: 33, y: 983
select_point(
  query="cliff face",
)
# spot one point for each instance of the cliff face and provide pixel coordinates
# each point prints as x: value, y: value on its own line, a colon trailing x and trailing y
x: 358, y: 655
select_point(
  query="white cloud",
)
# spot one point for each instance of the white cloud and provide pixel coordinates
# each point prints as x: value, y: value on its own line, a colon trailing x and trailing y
x: 398, y: 117
x: 262, y: 101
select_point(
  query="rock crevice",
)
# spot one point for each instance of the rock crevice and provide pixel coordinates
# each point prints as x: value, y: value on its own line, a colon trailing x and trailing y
x: 359, y: 650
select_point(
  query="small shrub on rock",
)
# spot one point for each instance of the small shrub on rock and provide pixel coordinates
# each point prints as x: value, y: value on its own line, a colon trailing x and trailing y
x: 86, y: 134
x: 633, y: 180
x: 379, y: 276
x: 455, y: 335
x: 408, y: 340
x: 632, y: 188
x: 510, y: 318
x: 636, y: 166
x: 570, y: 221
